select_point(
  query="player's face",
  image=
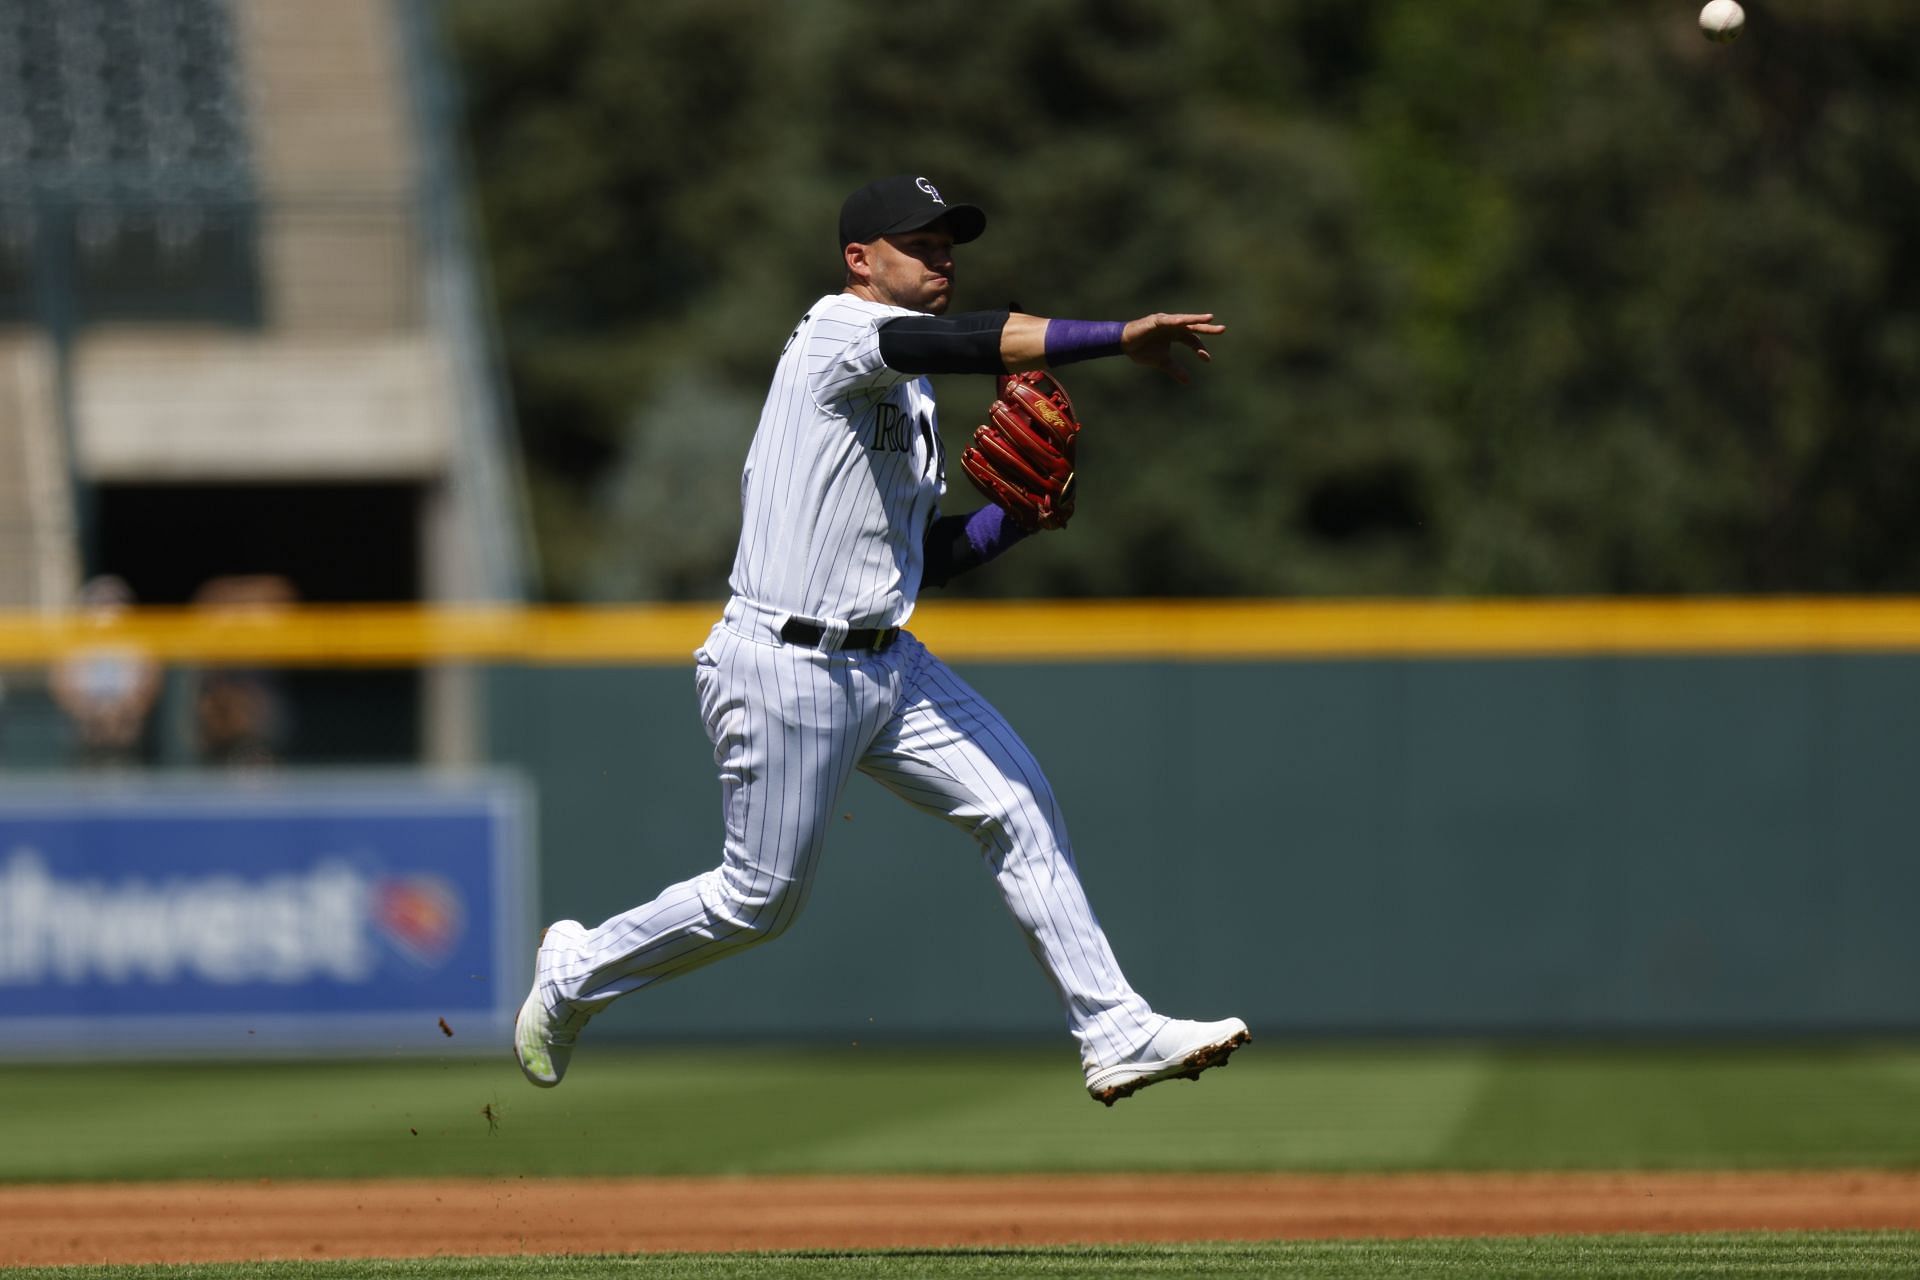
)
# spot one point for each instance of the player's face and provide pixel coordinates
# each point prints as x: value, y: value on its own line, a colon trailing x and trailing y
x: 914, y: 269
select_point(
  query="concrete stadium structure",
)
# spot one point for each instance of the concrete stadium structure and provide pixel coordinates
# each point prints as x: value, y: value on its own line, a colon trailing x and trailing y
x: 241, y: 329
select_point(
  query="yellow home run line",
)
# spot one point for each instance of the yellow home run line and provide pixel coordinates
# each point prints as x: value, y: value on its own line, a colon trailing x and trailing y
x: 1183, y: 630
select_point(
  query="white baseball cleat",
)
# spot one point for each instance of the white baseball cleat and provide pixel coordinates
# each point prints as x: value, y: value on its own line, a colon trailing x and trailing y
x: 1181, y: 1049
x: 542, y: 1043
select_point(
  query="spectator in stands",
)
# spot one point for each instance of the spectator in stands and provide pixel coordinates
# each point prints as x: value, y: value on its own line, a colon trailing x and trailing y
x: 107, y: 690
x: 240, y: 714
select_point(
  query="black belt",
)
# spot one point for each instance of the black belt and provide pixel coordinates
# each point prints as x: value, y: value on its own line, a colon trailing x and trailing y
x: 794, y: 631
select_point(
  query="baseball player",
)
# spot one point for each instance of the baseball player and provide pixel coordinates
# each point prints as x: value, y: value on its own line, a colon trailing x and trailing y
x: 809, y: 674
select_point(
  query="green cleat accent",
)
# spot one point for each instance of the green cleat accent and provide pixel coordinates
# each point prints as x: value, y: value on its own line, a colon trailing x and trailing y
x: 542, y: 1043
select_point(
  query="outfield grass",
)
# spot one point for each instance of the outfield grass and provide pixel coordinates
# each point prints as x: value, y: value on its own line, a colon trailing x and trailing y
x: 1826, y: 1254
x: 851, y: 1110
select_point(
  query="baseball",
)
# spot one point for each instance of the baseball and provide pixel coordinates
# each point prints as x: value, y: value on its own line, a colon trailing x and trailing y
x: 1721, y: 20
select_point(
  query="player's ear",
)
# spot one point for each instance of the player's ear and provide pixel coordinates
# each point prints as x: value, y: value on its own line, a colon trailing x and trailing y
x: 859, y: 263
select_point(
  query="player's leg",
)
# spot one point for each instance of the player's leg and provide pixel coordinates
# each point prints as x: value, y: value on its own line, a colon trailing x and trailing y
x: 949, y: 752
x: 788, y: 726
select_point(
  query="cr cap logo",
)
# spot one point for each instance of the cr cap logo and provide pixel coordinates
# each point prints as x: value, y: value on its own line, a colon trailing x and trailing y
x: 930, y: 189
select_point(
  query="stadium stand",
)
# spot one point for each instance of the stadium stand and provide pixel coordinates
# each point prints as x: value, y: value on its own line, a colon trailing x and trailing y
x: 232, y: 263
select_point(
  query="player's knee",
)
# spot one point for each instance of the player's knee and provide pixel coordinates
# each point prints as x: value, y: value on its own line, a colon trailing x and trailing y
x: 763, y: 911
x: 773, y: 919
x: 1022, y: 818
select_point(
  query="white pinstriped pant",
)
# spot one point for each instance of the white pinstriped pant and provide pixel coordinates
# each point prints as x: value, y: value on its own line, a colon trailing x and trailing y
x: 789, y: 726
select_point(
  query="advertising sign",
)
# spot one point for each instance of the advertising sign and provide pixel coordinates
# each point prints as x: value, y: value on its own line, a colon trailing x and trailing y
x: 219, y: 916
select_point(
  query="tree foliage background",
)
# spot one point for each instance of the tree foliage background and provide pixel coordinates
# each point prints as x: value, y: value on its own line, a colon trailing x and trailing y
x: 1522, y: 299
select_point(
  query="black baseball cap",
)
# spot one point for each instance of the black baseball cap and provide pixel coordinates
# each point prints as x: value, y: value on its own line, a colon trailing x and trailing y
x: 904, y: 203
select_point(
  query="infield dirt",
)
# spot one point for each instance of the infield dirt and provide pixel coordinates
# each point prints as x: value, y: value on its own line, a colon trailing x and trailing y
x: 233, y: 1221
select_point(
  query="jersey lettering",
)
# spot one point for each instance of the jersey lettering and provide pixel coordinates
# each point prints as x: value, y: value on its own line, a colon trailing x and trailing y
x: 891, y: 433
x: 926, y: 433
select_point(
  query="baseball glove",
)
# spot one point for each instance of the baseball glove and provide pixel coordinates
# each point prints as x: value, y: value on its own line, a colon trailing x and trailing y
x: 1022, y: 458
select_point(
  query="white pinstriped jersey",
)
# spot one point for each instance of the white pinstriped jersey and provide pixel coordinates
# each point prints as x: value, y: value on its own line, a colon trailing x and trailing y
x: 844, y: 474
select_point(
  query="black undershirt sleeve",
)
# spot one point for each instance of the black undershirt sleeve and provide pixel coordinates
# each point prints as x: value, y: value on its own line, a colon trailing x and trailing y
x: 965, y: 343
x: 947, y: 551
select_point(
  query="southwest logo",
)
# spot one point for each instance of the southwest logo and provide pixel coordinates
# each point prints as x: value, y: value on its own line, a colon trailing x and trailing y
x: 423, y: 916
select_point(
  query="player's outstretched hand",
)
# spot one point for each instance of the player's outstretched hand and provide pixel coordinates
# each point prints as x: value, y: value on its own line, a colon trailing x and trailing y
x: 1150, y: 340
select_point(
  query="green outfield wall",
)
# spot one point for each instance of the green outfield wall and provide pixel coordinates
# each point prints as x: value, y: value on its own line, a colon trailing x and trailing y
x: 1647, y: 844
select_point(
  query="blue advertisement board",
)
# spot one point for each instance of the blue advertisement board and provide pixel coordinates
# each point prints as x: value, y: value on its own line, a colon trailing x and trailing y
x: 223, y: 916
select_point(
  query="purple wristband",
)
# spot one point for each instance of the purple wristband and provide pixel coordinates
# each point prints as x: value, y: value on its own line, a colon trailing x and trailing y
x: 989, y: 532
x: 1072, y: 340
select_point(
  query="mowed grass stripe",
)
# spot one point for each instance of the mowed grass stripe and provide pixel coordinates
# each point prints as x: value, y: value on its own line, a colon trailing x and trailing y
x: 726, y: 1110
x: 723, y: 1110
x: 1719, y: 1108
x: 1786, y: 1254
